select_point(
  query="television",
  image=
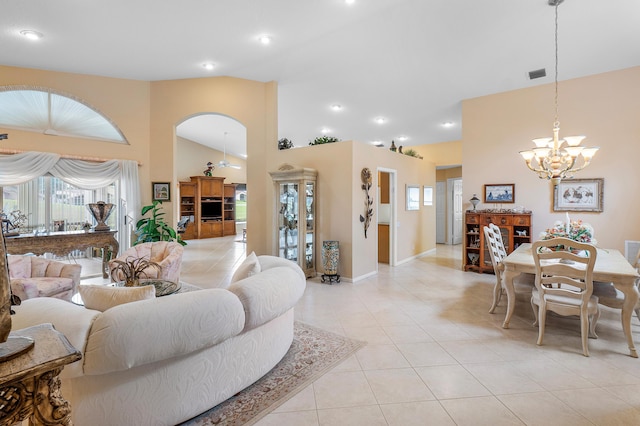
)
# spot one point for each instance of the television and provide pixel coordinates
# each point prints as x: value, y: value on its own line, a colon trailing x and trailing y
x: 211, y: 211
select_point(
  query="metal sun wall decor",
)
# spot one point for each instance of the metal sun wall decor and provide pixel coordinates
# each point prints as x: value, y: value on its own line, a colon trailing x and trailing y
x: 366, y: 177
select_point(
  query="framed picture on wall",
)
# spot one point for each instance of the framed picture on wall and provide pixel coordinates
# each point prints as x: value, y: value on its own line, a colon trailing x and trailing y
x: 499, y: 193
x: 161, y: 191
x: 413, y: 197
x: 578, y: 195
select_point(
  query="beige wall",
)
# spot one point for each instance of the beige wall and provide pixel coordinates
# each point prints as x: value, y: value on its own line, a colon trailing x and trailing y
x: 147, y: 114
x: 442, y: 154
x: 341, y: 202
x: 603, y: 107
x: 450, y: 173
x: 124, y: 102
x: 251, y: 103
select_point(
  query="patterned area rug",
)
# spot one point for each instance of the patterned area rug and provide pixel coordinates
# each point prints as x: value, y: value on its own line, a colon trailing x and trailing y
x: 312, y: 353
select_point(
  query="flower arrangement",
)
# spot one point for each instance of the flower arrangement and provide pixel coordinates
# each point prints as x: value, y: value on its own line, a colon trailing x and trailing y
x: 574, y: 230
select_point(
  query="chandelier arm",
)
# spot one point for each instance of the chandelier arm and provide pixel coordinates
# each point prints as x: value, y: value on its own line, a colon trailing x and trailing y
x: 552, y: 161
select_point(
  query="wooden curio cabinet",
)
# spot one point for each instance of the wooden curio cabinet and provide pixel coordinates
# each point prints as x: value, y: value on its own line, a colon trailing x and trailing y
x: 295, y: 227
x: 515, y: 229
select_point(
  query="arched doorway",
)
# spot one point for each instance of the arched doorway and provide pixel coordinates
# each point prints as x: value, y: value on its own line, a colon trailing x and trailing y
x: 217, y: 143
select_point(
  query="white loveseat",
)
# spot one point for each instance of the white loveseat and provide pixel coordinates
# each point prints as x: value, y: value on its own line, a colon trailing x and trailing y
x: 165, y: 360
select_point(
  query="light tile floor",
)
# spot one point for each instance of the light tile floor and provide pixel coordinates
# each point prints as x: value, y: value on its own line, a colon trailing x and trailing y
x: 435, y: 356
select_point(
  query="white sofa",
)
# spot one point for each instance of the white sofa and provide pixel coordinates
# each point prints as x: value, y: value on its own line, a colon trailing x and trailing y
x: 165, y: 360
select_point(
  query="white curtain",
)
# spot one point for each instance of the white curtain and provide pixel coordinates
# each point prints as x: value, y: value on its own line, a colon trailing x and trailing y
x: 20, y: 168
x: 85, y: 174
x: 130, y: 195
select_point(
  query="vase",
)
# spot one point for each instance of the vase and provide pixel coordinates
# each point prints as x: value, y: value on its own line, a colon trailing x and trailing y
x: 100, y: 212
x: 330, y: 260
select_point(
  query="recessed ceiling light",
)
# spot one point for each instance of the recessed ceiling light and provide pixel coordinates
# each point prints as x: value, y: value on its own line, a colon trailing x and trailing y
x: 325, y: 130
x: 31, y: 34
x: 377, y: 143
x: 336, y: 107
x: 264, y: 39
x: 208, y: 66
x: 402, y: 138
x: 448, y: 124
x: 380, y: 120
x: 349, y: 1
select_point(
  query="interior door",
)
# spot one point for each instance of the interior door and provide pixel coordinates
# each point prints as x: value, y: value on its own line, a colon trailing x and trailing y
x: 456, y: 210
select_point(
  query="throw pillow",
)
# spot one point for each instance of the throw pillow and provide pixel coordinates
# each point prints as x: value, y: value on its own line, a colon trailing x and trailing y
x: 103, y: 297
x: 250, y: 266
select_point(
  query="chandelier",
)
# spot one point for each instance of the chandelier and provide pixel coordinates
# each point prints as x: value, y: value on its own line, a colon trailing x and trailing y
x: 555, y: 158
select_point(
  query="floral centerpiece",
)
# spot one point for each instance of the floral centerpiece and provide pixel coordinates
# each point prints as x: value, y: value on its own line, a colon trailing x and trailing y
x: 574, y: 230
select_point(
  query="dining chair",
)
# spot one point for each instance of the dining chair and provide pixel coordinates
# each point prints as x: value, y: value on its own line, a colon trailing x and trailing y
x: 610, y: 296
x: 493, y: 240
x: 564, y: 285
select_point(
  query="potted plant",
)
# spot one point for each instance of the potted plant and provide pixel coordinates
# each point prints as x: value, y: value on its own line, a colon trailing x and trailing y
x: 324, y: 139
x: 154, y: 228
x: 412, y: 153
x: 284, y: 143
x: 132, y: 269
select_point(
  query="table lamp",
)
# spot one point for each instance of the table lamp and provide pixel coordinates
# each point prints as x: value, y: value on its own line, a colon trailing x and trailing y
x: 474, y: 201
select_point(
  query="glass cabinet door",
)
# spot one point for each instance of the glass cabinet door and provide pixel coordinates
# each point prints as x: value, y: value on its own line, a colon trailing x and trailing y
x: 288, y: 221
x: 310, y: 224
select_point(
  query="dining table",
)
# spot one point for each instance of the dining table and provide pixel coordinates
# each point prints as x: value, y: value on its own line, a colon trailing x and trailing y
x: 611, y: 266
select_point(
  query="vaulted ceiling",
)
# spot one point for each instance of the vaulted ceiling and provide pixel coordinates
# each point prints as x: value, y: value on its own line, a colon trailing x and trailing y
x: 409, y: 62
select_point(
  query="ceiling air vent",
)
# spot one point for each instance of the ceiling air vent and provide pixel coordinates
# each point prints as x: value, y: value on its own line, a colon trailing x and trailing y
x: 537, y: 74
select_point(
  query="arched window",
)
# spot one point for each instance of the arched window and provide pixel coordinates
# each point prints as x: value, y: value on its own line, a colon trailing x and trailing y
x: 46, y: 111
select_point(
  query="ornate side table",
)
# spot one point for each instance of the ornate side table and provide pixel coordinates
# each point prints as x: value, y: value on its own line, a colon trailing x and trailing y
x: 29, y: 383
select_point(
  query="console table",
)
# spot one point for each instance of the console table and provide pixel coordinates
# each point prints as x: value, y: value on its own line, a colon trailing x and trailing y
x: 63, y: 243
x: 29, y: 383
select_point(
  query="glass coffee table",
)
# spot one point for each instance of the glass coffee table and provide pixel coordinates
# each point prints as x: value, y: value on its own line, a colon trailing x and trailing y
x: 163, y: 287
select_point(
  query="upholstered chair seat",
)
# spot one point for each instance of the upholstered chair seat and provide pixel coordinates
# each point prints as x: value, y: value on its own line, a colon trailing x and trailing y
x: 167, y: 254
x: 33, y: 276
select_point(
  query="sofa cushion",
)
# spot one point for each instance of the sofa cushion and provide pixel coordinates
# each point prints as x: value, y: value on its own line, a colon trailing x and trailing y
x: 250, y: 266
x: 69, y: 319
x: 103, y: 297
x: 148, y: 331
x: 269, y: 294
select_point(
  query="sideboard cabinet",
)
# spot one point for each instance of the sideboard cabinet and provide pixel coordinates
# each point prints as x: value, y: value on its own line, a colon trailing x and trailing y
x: 515, y: 229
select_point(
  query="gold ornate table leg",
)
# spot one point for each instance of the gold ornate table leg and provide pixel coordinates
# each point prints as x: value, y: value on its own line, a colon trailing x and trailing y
x: 37, y: 398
